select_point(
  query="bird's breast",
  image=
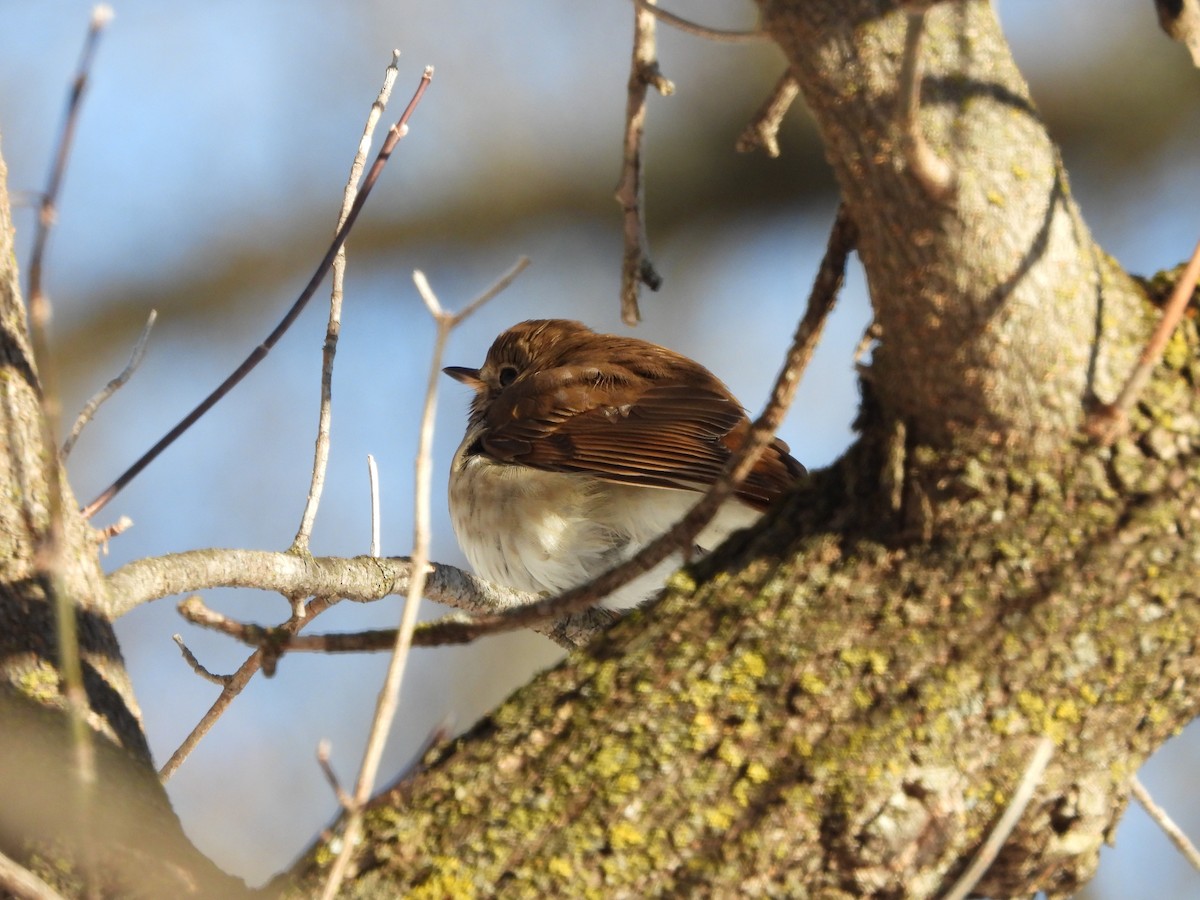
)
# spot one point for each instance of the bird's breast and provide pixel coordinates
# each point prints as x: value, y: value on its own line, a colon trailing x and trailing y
x: 540, y: 531
x: 525, y: 528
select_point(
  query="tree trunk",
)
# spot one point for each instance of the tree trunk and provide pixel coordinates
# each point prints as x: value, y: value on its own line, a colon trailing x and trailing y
x: 843, y: 703
x: 114, y: 834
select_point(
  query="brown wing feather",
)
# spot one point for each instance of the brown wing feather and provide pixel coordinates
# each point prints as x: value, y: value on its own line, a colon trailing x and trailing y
x: 670, y: 435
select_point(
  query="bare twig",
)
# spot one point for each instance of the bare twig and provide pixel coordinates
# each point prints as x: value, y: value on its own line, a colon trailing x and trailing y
x: 190, y: 658
x: 577, y: 630
x: 933, y: 173
x: 824, y: 292
x: 334, y: 328
x: 101, y: 396
x: 103, y: 535
x: 1173, y: 832
x: 763, y: 130
x: 344, y: 800
x: 497, y: 286
x: 276, y: 640
x: 101, y: 15
x: 17, y: 881
x: 395, y: 133
x: 389, y: 694
x: 1108, y: 422
x: 687, y: 26
x: 1006, y: 823
x: 636, y: 267
x: 259, y: 659
x: 48, y: 556
x: 373, y: 480
x: 870, y: 336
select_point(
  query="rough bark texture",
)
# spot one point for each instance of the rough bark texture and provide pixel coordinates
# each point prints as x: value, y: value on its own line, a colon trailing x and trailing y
x: 28, y: 657
x: 843, y: 704
x: 997, y: 311
x: 835, y: 708
x: 118, y: 835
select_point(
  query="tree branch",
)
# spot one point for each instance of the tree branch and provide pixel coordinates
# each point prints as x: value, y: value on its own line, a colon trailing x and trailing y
x: 763, y: 130
x: 636, y: 267
x: 334, y: 327
x: 970, y: 349
x: 362, y: 579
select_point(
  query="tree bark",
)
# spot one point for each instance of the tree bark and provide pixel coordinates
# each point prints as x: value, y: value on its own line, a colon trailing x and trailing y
x: 998, y: 313
x: 114, y: 834
x: 843, y: 703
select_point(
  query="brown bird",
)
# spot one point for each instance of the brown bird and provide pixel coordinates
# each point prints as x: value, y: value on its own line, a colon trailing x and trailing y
x: 581, y: 448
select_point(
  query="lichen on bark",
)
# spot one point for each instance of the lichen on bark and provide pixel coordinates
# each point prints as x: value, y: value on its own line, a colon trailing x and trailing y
x: 844, y: 702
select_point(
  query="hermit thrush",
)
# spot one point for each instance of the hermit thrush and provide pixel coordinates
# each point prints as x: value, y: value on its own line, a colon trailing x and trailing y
x: 582, y: 447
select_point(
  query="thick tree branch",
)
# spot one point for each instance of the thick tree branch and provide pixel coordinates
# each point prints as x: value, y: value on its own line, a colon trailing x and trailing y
x: 126, y: 834
x: 875, y: 698
x: 999, y: 316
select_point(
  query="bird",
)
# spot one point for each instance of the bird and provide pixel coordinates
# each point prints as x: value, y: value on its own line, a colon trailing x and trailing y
x: 581, y: 448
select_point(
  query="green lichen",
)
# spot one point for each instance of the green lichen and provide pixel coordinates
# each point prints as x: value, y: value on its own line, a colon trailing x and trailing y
x: 623, y: 835
x: 447, y: 877
x: 802, y: 719
x: 811, y: 683
x: 861, y: 658
x: 41, y: 683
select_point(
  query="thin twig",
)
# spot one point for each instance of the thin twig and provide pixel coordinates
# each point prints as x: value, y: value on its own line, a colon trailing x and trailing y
x: 687, y: 26
x: 279, y: 639
x: 1110, y: 420
x: 1007, y: 822
x: 933, y: 173
x: 763, y: 130
x: 828, y: 281
x: 48, y: 210
x: 48, y: 555
x: 389, y: 694
x: 102, y: 395
x: 190, y: 658
x: 236, y: 683
x: 870, y: 337
x: 579, y: 628
x: 395, y: 133
x: 344, y: 800
x: 137, y: 581
x: 1165, y: 822
x: 103, y: 535
x: 18, y: 881
x: 500, y: 284
x: 373, y: 481
x: 636, y: 267
x: 334, y: 328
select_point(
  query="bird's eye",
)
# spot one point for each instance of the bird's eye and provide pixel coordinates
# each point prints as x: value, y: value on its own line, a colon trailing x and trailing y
x: 507, y: 375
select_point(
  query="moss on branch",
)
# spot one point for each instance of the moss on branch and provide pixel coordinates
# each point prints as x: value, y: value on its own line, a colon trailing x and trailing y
x: 838, y: 703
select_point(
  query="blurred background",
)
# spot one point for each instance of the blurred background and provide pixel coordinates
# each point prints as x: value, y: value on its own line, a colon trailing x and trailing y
x: 208, y: 169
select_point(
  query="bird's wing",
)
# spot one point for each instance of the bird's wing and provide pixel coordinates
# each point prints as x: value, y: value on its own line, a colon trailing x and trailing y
x: 666, y: 435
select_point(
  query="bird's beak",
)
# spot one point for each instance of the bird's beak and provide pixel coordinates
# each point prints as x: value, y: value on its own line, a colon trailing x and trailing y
x: 469, y: 377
